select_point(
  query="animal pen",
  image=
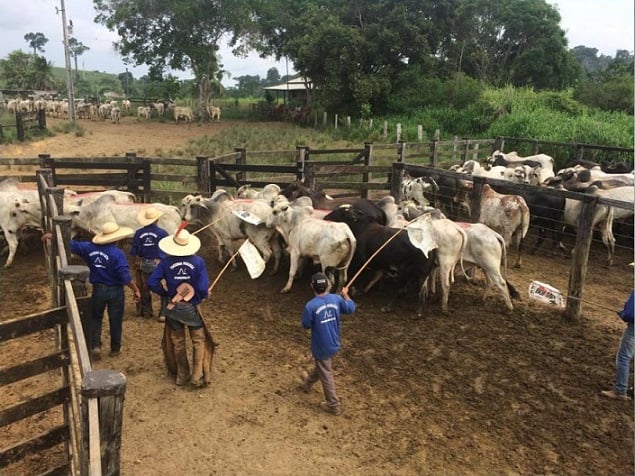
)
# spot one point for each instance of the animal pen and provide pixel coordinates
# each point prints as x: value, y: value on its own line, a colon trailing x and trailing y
x: 91, y: 401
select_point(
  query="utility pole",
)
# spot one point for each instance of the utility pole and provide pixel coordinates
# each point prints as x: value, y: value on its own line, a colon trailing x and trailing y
x: 69, y: 71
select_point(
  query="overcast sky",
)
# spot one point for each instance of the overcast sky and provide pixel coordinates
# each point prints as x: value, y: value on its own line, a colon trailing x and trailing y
x: 603, y: 24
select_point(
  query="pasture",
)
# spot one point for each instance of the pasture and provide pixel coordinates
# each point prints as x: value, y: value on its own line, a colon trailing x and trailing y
x: 478, y: 391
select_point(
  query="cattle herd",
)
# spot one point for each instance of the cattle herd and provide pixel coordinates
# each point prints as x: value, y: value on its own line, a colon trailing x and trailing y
x: 109, y: 110
x: 408, y: 242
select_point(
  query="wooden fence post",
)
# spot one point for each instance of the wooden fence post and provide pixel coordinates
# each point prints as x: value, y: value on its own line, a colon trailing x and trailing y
x: 475, y: 198
x: 47, y: 176
x: 579, y: 151
x: 434, y: 148
x: 401, y: 151
x: 19, y: 125
x: 147, y: 180
x: 398, y: 131
x: 348, y: 121
x: 212, y: 175
x: 64, y: 223
x: 131, y: 186
x: 536, y: 147
x: 324, y: 118
x: 475, y: 154
x: 45, y: 161
x: 420, y: 133
x: 464, y: 147
x: 241, y: 159
x: 41, y: 119
x: 368, y: 159
x: 385, y: 133
x: 309, y: 175
x: 300, y: 159
x: 580, y: 257
x: 109, y: 386
x: 396, y: 177
x: 335, y: 122
x: 202, y: 175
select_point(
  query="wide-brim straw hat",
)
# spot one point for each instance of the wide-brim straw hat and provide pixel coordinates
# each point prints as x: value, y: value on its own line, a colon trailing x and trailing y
x: 111, y: 232
x: 148, y: 215
x: 182, y: 243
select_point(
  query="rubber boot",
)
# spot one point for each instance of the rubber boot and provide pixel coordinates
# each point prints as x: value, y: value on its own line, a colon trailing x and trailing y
x: 180, y: 355
x: 198, y: 354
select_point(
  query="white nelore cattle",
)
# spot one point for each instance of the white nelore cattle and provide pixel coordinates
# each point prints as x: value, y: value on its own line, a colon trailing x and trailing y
x: 268, y: 192
x: 604, y: 215
x: 222, y: 214
x: 160, y: 107
x: 182, y: 112
x: 332, y: 244
x: 214, y: 112
x: 75, y: 199
x: 541, y: 165
x: 144, y: 111
x: 486, y: 249
x: 125, y: 105
x: 18, y: 209
x: 115, y: 115
x: 415, y: 188
x: 506, y: 214
x: 92, y: 216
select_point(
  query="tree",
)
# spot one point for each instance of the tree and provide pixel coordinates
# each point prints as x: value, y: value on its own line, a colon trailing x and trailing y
x: 36, y: 41
x: 24, y: 71
x: 273, y: 77
x: 179, y: 35
x: 76, y: 48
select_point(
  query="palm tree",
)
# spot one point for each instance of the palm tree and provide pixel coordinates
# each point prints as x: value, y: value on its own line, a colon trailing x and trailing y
x: 42, y: 73
x: 36, y: 41
x: 76, y: 49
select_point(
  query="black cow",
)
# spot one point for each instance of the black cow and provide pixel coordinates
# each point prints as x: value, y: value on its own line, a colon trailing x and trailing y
x: 399, y: 259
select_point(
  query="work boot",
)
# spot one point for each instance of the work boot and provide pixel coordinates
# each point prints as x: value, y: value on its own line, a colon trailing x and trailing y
x: 180, y: 355
x: 198, y: 354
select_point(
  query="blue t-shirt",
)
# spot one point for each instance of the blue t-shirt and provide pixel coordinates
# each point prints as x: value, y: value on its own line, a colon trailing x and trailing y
x: 322, y: 315
x: 107, y: 263
x: 627, y: 313
x: 180, y: 269
x: 145, y: 243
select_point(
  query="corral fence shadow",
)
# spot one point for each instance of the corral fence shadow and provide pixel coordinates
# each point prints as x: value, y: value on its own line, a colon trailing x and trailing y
x: 91, y: 401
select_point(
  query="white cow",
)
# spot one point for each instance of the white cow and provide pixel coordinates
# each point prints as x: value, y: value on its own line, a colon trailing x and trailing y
x: 222, y: 214
x: 92, y: 216
x: 18, y: 209
x: 268, y: 192
x: 332, y: 244
x: 506, y: 214
x: 486, y: 249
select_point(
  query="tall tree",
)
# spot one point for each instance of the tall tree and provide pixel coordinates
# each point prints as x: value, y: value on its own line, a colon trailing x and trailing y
x: 76, y: 48
x: 180, y: 35
x: 36, y: 41
x: 16, y: 70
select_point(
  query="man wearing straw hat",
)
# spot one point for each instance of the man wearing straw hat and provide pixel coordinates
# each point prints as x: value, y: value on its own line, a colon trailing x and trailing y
x: 187, y: 284
x: 109, y: 273
x: 147, y: 254
x: 322, y: 315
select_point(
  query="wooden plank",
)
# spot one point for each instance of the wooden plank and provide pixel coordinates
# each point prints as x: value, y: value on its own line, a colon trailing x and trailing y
x: 91, y: 165
x: 173, y: 178
x: 34, y: 367
x: 117, y: 181
x: 32, y: 323
x: 184, y: 162
x: 40, y: 442
x: 336, y: 151
x: 63, y: 470
x: 35, y: 405
x: 356, y: 185
x: 20, y: 161
x: 289, y: 169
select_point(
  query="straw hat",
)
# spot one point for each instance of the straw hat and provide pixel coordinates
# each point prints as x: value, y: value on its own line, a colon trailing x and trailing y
x: 182, y: 243
x: 111, y: 232
x: 148, y: 215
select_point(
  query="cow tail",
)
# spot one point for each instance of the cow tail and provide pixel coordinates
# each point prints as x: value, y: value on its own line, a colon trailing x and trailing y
x: 463, y: 234
x: 353, y: 244
x: 525, y: 219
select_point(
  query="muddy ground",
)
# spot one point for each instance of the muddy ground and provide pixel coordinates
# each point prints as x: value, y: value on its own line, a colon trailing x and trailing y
x: 478, y: 391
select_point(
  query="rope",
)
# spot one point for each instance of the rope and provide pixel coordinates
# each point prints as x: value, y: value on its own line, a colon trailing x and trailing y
x: 229, y: 261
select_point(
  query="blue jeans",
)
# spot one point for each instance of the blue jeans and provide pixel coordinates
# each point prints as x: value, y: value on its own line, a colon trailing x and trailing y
x: 623, y: 360
x: 111, y: 297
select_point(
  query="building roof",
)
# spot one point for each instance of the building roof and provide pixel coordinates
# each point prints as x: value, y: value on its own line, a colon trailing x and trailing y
x: 296, y: 84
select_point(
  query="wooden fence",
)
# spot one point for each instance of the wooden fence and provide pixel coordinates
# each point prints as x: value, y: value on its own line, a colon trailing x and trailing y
x: 25, y: 121
x: 91, y: 400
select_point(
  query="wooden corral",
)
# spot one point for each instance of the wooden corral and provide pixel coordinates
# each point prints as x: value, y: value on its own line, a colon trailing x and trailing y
x: 91, y: 401
x: 25, y: 121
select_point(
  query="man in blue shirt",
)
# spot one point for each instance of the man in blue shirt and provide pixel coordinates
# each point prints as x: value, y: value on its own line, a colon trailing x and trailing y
x: 109, y: 273
x: 147, y: 254
x: 186, y: 285
x: 624, y: 354
x: 322, y: 315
